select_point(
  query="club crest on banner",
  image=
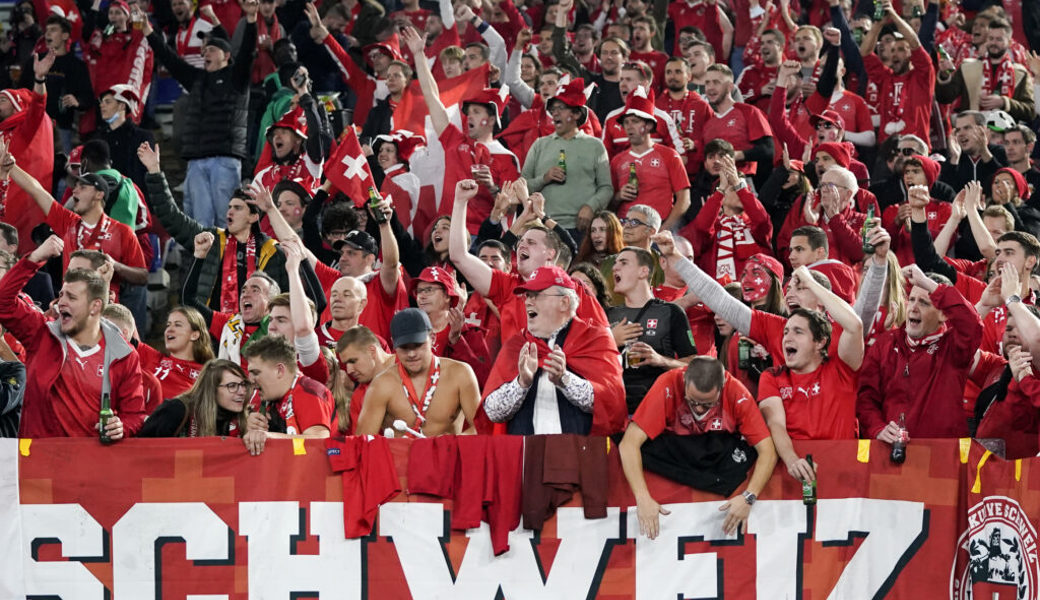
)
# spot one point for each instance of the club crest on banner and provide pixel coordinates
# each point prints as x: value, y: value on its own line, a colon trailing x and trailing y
x: 997, y: 555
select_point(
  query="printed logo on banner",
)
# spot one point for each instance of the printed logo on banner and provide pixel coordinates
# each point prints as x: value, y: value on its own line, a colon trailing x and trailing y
x: 996, y: 554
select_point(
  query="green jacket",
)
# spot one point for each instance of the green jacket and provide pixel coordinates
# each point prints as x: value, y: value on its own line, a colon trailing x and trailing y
x: 183, y: 228
x: 278, y: 106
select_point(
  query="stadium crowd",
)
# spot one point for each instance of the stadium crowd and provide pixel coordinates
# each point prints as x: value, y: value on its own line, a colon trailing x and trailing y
x: 705, y: 227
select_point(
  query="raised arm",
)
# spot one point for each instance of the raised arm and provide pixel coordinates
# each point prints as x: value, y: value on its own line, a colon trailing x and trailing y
x: 431, y: 93
x: 714, y: 296
x: 242, y: 65
x: 850, y: 344
x: 472, y: 268
x: 390, y: 270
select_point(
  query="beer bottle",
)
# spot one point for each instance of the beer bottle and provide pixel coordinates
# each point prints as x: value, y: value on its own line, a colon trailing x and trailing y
x: 374, y: 199
x: 103, y: 417
x: 868, y: 248
x: 633, y: 179
x: 562, y: 163
x: 744, y: 354
x: 879, y: 10
x: 899, y: 447
x: 809, y: 487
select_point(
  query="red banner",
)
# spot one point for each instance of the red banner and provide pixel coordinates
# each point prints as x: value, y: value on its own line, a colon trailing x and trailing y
x: 201, y: 518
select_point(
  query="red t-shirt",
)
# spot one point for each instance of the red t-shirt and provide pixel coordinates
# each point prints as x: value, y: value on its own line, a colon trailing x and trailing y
x: 820, y: 405
x: 77, y: 398
x: 305, y: 405
x: 381, y: 306
x: 661, y: 174
x: 466, y: 153
x: 664, y: 409
x: 739, y: 126
x: 615, y: 140
x: 656, y: 60
x: 767, y: 329
x: 689, y: 115
x: 114, y: 238
x: 328, y: 335
x: 850, y: 106
x: 174, y: 374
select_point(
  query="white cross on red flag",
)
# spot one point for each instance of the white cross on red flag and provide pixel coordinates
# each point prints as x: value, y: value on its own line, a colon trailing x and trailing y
x: 348, y: 169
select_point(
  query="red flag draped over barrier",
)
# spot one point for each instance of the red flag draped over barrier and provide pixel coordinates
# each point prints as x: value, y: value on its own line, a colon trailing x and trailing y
x: 202, y: 517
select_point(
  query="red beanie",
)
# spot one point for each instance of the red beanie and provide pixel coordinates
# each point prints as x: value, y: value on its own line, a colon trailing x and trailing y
x: 837, y: 151
x: 1020, y: 181
x: 930, y: 168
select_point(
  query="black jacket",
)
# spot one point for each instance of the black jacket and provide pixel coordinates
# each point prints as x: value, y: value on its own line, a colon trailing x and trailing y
x: 123, y: 142
x: 216, y: 120
x: 12, y: 389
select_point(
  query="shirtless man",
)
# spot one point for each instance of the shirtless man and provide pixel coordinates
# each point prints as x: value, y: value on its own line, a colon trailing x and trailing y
x: 361, y: 353
x: 436, y: 387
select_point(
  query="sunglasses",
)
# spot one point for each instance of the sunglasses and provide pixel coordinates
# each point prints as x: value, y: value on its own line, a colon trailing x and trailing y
x: 632, y: 223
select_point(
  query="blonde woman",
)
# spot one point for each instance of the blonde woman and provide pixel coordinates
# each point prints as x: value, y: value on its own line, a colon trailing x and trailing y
x: 188, y: 347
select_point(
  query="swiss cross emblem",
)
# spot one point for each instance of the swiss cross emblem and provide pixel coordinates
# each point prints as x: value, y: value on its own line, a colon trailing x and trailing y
x: 716, y: 424
x: 844, y: 108
x: 433, y: 272
x: 815, y: 389
x: 932, y: 215
x: 651, y: 323
x: 654, y: 162
x: 731, y: 123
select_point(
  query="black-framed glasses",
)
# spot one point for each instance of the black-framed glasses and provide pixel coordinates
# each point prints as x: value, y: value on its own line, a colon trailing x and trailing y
x: 235, y: 386
x: 627, y: 222
x: 534, y: 295
x: 907, y: 151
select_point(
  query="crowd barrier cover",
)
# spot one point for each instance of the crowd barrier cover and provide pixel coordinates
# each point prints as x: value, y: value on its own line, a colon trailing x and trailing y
x: 203, y: 520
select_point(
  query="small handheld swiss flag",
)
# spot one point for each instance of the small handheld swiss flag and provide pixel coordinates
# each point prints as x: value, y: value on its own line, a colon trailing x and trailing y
x: 348, y: 169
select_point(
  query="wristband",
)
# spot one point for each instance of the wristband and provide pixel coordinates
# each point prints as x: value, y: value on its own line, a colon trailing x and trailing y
x: 44, y: 80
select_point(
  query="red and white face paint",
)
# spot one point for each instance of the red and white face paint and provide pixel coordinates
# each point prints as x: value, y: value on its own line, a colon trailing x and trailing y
x: 755, y: 282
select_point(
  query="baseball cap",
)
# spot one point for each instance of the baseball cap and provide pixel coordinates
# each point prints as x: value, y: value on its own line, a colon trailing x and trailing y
x: 94, y: 180
x: 410, y: 326
x: 829, y: 116
x: 436, y: 275
x: 359, y: 240
x: 544, y: 278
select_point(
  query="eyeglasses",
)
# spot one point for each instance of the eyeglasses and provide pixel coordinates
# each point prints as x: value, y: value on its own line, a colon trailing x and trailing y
x: 427, y: 289
x: 708, y: 404
x: 632, y: 223
x: 234, y: 386
x: 907, y: 151
x: 534, y: 295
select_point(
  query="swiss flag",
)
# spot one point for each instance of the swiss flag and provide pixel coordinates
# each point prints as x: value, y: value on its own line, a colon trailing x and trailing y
x: 411, y: 111
x: 348, y: 169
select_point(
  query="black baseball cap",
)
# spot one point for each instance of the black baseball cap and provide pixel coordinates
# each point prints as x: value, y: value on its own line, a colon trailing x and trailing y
x: 410, y: 326
x: 359, y: 240
x: 95, y: 181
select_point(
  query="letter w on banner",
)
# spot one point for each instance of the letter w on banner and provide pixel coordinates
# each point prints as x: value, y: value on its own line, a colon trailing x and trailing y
x: 348, y: 169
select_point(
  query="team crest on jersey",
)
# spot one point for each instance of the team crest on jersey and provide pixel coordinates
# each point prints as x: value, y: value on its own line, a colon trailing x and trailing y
x: 786, y: 392
x: 654, y: 162
x: 996, y: 556
x: 715, y: 425
x: 101, y: 371
x: 651, y: 323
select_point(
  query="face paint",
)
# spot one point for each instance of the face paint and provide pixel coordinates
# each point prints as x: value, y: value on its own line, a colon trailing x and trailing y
x: 483, y: 122
x: 754, y: 282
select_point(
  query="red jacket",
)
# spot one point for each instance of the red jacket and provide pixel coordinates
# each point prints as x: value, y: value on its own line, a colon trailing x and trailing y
x: 46, y: 348
x: 704, y: 233
x: 926, y: 384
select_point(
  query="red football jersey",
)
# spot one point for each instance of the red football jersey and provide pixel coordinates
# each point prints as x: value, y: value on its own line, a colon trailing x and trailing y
x: 660, y: 172
x: 174, y: 374
x: 616, y: 140
x: 689, y: 114
x: 740, y: 125
x: 108, y: 235
x: 820, y: 405
x: 77, y: 398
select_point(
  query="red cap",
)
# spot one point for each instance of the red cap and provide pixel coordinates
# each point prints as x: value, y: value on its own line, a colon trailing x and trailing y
x: 1020, y: 181
x: 830, y: 116
x: 391, y: 47
x: 294, y: 120
x: 405, y: 140
x: 930, y: 168
x: 837, y: 151
x: 544, y: 278
x: 572, y: 94
x: 76, y: 156
x: 19, y: 98
x: 798, y: 165
x: 489, y: 97
x: 437, y: 275
x: 641, y: 104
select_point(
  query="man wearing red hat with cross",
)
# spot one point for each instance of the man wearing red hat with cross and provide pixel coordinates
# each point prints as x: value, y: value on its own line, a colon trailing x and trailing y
x: 660, y: 175
x: 474, y: 154
x: 297, y: 146
x: 561, y: 374
x: 436, y: 293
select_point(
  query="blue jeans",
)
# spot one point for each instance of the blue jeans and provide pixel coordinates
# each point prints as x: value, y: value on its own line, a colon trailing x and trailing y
x: 208, y: 188
x: 736, y: 60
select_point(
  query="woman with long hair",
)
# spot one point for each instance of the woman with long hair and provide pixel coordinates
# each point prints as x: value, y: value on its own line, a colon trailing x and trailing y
x: 188, y: 347
x: 604, y: 239
x: 589, y: 276
x: 891, y: 313
x: 215, y: 405
x: 341, y: 387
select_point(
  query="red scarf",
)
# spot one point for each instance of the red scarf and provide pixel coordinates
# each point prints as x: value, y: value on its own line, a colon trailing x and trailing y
x: 728, y: 230
x: 431, y: 388
x: 263, y: 64
x: 91, y: 241
x: 184, y: 36
x: 229, y: 285
x: 999, y: 80
x: 928, y: 340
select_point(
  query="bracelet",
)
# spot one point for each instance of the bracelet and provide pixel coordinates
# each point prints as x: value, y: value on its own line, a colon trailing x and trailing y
x: 44, y: 80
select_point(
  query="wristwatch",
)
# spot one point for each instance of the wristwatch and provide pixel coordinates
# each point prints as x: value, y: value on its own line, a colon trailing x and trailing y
x: 749, y: 498
x: 1012, y: 298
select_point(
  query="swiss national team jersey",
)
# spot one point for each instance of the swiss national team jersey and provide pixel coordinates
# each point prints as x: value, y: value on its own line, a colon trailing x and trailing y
x: 740, y: 125
x: 852, y: 108
x: 328, y: 335
x: 174, y: 374
x: 665, y: 409
x: 466, y: 154
x: 114, y: 238
x: 767, y: 329
x: 689, y: 114
x: 381, y: 306
x: 77, y: 398
x: 660, y: 173
x: 307, y: 404
x: 656, y: 60
x: 615, y: 140
x: 818, y: 406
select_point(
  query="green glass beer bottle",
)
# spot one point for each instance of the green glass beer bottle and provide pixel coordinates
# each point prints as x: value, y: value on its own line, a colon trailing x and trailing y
x: 103, y: 417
